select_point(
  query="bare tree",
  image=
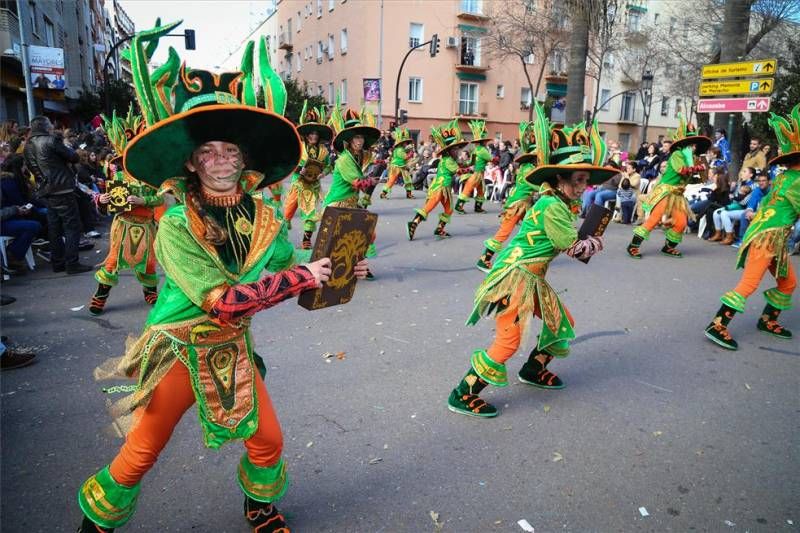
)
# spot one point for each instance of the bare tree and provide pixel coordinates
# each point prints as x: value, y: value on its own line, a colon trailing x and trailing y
x: 604, y: 39
x: 528, y: 32
x: 581, y: 17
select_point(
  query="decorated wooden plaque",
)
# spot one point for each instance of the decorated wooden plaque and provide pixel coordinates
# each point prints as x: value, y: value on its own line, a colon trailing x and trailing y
x: 595, y: 224
x: 119, y: 192
x: 313, y: 169
x: 344, y: 235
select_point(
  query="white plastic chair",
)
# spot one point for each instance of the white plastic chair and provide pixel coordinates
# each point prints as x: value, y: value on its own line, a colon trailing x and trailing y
x: 701, y: 227
x: 4, y: 241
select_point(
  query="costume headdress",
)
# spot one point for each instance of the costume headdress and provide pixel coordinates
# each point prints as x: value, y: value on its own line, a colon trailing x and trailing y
x: 314, y: 120
x: 184, y: 108
x: 686, y: 135
x: 532, y: 151
x: 401, y: 135
x: 448, y: 136
x: 478, y: 128
x: 787, y: 131
x: 351, y: 123
x: 120, y: 130
x: 572, y: 148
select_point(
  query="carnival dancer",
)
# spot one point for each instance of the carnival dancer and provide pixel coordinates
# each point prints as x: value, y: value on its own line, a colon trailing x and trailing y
x: 764, y: 246
x: 474, y: 181
x: 402, y: 156
x: 448, y: 138
x: 214, y: 247
x: 516, y: 288
x: 355, y: 133
x: 666, y: 202
x: 304, y: 191
x: 132, y: 232
x: 520, y: 198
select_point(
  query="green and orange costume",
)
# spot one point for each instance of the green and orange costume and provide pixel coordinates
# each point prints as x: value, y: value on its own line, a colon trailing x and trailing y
x: 519, y: 200
x: 440, y: 192
x: 764, y: 246
x: 315, y: 162
x: 516, y: 289
x: 666, y: 203
x: 132, y: 232
x: 473, y: 182
x: 196, y: 347
x: 399, y: 163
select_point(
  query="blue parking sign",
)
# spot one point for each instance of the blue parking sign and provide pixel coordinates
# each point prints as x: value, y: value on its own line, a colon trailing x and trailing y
x: 753, y: 86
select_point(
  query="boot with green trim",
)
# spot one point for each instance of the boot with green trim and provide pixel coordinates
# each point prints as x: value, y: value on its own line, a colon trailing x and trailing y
x: 105, y: 503
x: 307, y: 240
x: 633, y: 247
x: 411, y: 227
x: 484, y: 263
x: 717, y: 331
x: 98, y: 302
x: 670, y: 249
x: 479, y: 207
x: 768, y: 323
x: 440, y: 231
x: 150, y: 295
x: 534, y: 372
x: 459, y: 208
x: 464, y: 398
x: 409, y: 194
x: 264, y: 517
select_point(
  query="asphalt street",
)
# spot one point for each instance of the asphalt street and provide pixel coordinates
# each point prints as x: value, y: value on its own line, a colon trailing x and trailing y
x: 655, y: 420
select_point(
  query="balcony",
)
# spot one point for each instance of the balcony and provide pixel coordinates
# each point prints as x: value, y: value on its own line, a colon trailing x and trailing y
x: 469, y: 61
x: 285, y: 41
x: 9, y: 29
x: 630, y: 115
x: 468, y: 11
x: 556, y: 77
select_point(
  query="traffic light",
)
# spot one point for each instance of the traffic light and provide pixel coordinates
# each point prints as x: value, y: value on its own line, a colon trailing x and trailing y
x: 188, y: 36
x: 403, y: 118
x: 434, y: 45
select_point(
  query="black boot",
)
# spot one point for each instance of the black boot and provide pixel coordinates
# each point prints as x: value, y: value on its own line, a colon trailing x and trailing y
x: 534, y: 372
x: 307, y: 240
x: 768, y: 323
x: 459, y: 208
x: 464, y: 398
x: 411, y: 227
x: 87, y: 526
x: 264, y: 517
x: 150, y: 295
x: 479, y: 207
x: 409, y: 194
x: 717, y: 330
x: 670, y: 249
x: 633, y: 247
x: 99, y: 298
x: 440, y: 232
x: 485, y: 261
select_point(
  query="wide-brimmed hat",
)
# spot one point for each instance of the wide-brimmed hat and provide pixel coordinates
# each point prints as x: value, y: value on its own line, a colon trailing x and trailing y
x: 401, y: 136
x: 527, y: 143
x: 571, y: 149
x: 686, y: 135
x: 313, y: 120
x: 351, y: 123
x: 478, y: 128
x: 448, y: 136
x: 787, y: 132
x: 185, y: 108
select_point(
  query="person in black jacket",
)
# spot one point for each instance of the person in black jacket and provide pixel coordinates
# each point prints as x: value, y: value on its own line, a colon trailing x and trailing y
x: 47, y: 158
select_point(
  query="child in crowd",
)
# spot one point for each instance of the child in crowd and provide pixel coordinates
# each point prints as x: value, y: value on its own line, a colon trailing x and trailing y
x: 626, y: 200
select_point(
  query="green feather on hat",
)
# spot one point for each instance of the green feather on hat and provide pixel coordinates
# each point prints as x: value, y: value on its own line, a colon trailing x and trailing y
x: 787, y: 132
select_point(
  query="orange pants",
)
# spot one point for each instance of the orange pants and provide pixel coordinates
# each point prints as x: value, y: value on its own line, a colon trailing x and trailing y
x: 473, y: 183
x: 112, y: 259
x: 508, y: 334
x: 394, y: 173
x: 507, y: 225
x: 755, y: 266
x: 290, y: 207
x: 440, y: 197
x: 171, y: 398
x: 679, y: 219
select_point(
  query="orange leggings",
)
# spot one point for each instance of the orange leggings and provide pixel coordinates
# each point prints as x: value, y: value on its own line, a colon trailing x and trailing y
x: 290, y: 207
x: 679, y: 219
x: 508, y: 334
x: 473, y: 183
x: 755, y: 266
x: 507, y: 226
x: 112, y: 259
x: 438, y: 198
x: 171, y: 398
x: 394, y: 173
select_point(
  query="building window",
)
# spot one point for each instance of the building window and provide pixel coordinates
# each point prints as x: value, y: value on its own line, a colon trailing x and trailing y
x: 331, y: 4
x: 468, y: 99
x: 624, y: 142
x: 525, y: 98
x: 331, y: 96
x: 416, y: 34
x: 319, y: 53
x: 664, y: 106
x: 634, y: 21
x: 558, y: 61
x: 501, y: 91
x: 604, y: 96
x: 678, y: 107
x: 470, y: 51
x: 299, y: 62
x: 472, y: 6
x: 299, y: 21
x: 343, y: 41
x: 331, y: 47
x: 49, y: 32
x: 530, y: 58
x: 672, y: 23
x: 343, y: 91
x: 34, y: 17
x: 319, y: 8
x: 626, y: 111
x: 415, y: 89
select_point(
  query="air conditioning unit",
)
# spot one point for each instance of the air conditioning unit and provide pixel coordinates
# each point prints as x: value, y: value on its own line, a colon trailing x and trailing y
x: 452, y: 42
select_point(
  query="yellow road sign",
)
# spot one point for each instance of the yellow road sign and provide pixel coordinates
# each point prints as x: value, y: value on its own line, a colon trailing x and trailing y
x: 719, y: 88
x: 762, y: 67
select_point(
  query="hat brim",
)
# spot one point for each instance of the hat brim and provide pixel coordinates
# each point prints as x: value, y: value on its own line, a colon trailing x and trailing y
x: 548, y: 173
x: 526, y: 158
x: 269, y: 142
x: 404, y: 141
x: 325, y: 132
x: 784, y: 158
x: 370, y: 134
x: 702, y: 143
x: 459, y: 144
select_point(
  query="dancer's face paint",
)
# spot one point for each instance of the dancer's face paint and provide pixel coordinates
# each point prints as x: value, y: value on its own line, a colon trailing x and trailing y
x: 219, y: 166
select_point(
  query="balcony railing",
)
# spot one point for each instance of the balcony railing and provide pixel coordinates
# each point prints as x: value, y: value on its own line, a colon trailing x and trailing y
x: 9, y: 23
x: 285, y: 41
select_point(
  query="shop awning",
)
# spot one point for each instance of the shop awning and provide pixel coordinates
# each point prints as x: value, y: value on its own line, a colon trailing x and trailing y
x: 471, y: 76
x: 469, y: 28
x: 55, y: 107
x: 556, y: 89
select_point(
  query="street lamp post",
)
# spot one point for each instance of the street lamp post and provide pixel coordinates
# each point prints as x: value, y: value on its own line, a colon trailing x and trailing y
x: 646, y: 93
x: 434, y: 49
